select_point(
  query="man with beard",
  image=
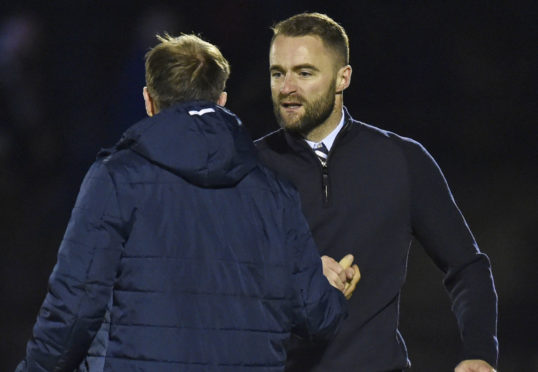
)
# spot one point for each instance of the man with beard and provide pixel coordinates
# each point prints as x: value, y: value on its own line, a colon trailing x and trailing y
x: 368, y: 192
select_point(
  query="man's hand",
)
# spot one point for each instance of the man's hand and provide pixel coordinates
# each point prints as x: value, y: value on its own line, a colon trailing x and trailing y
x: 474, y: 365
x: 341, y: 275
x: 335, y: 273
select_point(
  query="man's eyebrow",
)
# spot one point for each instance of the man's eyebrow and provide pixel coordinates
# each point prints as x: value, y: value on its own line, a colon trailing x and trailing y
x: 295, y: 68
x: 275, y: 67
x: 305, y: 65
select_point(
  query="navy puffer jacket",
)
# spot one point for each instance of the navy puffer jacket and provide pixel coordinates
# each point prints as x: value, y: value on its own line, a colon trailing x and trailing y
x: 204, y: 256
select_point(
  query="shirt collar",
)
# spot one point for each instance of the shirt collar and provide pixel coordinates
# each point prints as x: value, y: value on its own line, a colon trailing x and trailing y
x: 329, y: 140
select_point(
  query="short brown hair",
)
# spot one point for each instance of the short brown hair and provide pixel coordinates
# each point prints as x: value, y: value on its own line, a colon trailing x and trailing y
x: 185, y: 68
x: 329, y: 31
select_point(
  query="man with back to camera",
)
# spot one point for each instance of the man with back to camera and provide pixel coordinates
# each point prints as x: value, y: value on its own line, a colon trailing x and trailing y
x: 367, y: 191
x: 206, y: 255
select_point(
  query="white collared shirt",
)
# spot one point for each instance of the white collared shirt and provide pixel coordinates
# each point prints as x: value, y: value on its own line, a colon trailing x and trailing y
x: 329, y: 140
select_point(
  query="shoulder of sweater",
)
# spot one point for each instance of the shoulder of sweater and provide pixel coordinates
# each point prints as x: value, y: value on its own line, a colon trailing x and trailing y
x: 415, y: 155
x: 377, y: 134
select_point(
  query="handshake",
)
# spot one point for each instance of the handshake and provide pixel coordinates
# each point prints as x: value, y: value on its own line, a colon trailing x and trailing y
x: 341, y: 275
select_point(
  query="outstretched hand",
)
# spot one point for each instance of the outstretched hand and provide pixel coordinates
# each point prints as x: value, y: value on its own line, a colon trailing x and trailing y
x: 474, y: 365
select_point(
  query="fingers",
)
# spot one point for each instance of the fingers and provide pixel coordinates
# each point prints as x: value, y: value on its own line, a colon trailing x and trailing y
x: 350, y: 273
x: 346, y: 265
x: 334, y: 273
x: 351, y: 285
x: 346, y: 261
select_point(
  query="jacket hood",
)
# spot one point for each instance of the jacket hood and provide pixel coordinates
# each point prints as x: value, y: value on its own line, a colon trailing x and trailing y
x: 200, y: 141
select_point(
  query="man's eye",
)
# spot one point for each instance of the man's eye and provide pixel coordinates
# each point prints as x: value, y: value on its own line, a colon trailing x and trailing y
x: 276, y: 74
x: 305, y: 73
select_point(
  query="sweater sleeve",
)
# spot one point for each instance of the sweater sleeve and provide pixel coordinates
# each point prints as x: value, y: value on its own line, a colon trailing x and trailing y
x: 81, y: 282
x: 442, y: 230
x: 320, y: 307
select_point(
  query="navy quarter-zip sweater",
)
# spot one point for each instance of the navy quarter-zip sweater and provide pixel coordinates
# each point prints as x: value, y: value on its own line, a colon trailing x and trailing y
x: 383, y: 190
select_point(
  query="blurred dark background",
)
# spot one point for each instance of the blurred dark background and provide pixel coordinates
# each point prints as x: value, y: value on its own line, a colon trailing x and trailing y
x: 460, y: 77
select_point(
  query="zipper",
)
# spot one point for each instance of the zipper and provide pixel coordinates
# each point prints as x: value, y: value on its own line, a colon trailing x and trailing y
x: 325, y: 183
x: 325, y: 168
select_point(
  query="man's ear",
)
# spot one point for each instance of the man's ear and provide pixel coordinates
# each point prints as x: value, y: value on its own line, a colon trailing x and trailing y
x: 221, y: 101
x: 343, y: 79
x: 148, y: 101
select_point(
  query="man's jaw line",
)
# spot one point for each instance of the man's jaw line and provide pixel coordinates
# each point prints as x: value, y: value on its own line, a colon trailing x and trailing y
x: 321, y: 130
x: 290, y: 116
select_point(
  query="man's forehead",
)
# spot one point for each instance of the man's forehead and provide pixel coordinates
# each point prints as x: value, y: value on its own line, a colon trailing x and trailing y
x: 311, y: 41
x: 300, y: 48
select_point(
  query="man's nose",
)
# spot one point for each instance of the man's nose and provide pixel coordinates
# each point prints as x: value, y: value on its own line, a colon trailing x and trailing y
x: 288, y: 85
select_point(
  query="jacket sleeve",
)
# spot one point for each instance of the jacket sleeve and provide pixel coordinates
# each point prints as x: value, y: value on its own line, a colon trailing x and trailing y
x: 442, y: 230
x: 81, y: 282
x: 320, y: 307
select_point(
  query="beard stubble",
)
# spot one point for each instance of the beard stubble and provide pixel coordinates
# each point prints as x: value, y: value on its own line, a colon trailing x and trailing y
x: 315, y: 112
